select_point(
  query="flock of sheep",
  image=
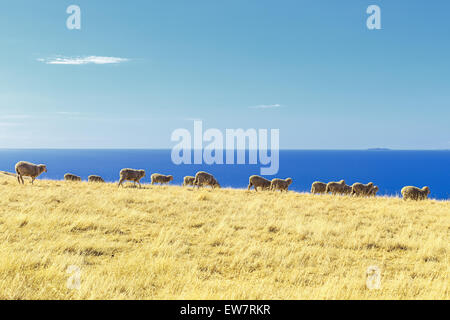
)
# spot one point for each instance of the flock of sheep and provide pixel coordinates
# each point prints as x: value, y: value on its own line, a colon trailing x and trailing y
x: 202, y: 179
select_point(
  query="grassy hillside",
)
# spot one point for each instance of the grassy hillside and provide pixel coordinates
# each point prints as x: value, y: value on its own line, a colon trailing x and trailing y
x: 176, y: 243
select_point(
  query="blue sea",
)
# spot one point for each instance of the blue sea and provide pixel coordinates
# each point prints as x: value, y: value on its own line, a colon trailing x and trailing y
x: 390, y: 170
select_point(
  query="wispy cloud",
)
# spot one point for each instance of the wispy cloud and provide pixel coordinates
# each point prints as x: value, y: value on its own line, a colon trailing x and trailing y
x: 68, y: 113
x: 14, y: 116
x: 266, y: 106
x: 9, y: 124
x: 82, y: 60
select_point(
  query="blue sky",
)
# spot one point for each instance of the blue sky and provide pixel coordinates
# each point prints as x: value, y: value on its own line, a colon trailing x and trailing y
x: 309, y: 68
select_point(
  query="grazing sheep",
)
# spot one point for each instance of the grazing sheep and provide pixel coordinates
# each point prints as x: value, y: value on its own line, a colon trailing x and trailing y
x: 160, y: 178
x: 131, y: 175
x: 71, y: 177
x: 258, y: 182
x: 94, y: 178
x: 318, y: 187
x: 205, y: 179
x: 374, y: 191
x: 280, y: 184
x: 360, y: 189
x: 346, y: 189
x: 27, y: 169
x: 188, y: 181
x: 414, y: 193
x: 335, y: 187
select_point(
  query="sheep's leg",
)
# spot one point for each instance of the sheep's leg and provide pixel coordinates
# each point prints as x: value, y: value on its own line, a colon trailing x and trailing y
x: 249, y: 186
x: 120, y: 182
x: 32, y: 180
x: 139, y: 184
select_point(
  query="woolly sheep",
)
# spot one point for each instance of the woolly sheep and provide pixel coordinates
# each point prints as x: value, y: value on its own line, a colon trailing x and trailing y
x: 318, y: 187
x: 280, y: 184
x: 131, y: 175
x: 346, y: 189
x: 160, y: 178
x: 27, y: 169
x: 94, y: 178
x: 71, y: 177
x: 335, y: 187
x: 205, y: 179
x: 188, y: 181
x: 414, y: 193
x: 374, y: 191
x: 258, y: 182
x: 360, y: 189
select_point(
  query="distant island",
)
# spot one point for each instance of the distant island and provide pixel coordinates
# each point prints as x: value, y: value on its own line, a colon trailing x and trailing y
x: 379, y: 149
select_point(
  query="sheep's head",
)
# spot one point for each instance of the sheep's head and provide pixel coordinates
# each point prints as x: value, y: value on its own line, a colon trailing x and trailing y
x: 342, y: 182
x: 375, y: 190
x: 370, y: 184
x: 42, y: 168
x: 216, y: 185
x: 289, y: 181
x: 142, y: 173
x: 426, y: 189
x: 170, y: 178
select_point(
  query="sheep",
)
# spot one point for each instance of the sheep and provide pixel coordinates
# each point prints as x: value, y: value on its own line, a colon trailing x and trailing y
x: 318, y: 187
x: 360, y: 189
x: 131, y: 175
x: 71, y: 177
x: 414, y: 193
x: 374, y: 191
x: 258, y: 182
x: 160, y: 178
x: 203, y: 178
x: 188, y: 181
x: 346, y: 189
x: 94, y: 178
x: 280, y: 184
x: 335, y: 187
x: 28, y: 169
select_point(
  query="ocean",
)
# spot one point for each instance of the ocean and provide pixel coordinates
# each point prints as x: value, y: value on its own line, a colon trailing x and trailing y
x: 388, y: 169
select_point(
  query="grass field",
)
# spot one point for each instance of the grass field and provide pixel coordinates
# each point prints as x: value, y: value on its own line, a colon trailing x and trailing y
x: 175, y: 243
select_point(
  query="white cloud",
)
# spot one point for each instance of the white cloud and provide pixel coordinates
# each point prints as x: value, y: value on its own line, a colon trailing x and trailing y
x: 14, y: 116
x: 266, y: 106
x: 67, y: 113
x: 8, y: 124
x: 83, y: 60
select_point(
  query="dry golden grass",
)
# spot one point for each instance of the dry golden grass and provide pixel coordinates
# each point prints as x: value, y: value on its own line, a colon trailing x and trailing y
x: 176, y: 243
